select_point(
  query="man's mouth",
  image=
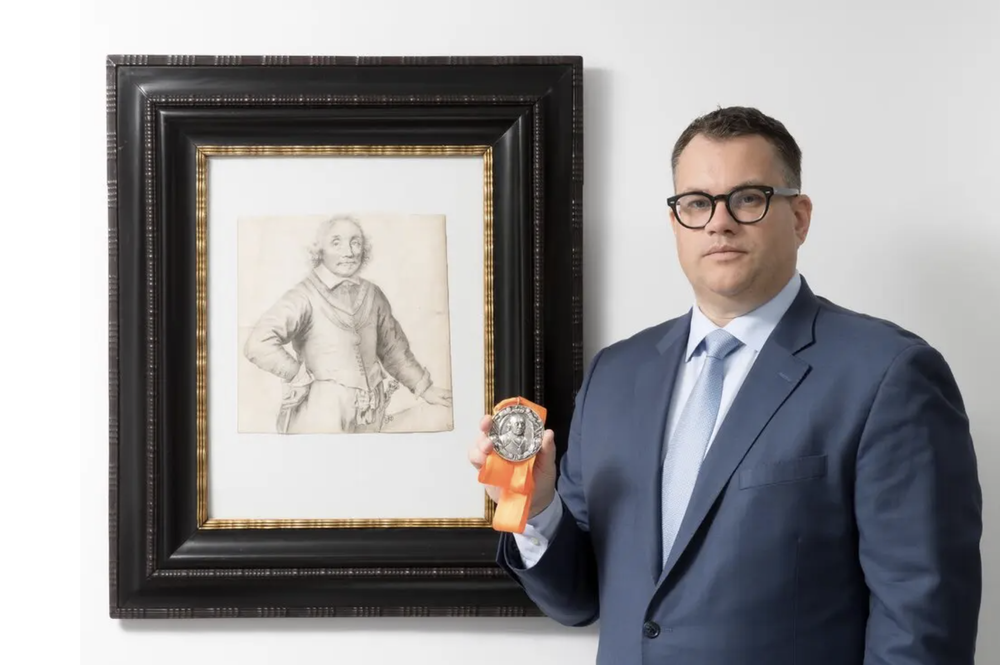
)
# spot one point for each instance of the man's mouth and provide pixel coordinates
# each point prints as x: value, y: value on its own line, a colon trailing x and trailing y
x: 725, y: 250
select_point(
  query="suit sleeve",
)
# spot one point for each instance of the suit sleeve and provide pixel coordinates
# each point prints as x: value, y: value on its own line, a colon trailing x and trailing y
x: 563, y: 582
x: 538, y: 531
x: 918, y: 506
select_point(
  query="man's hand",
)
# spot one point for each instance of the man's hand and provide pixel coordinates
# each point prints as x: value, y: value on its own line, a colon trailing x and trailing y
x: 544, y: 469
x: 435, y: 395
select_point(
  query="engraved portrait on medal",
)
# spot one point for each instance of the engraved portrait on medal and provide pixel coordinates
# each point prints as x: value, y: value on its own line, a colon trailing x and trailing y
x: 343, y: 324
x: 516, y: 433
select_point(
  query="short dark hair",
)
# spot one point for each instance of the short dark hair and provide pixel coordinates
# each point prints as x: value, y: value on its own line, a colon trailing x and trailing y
x: 735, y: 121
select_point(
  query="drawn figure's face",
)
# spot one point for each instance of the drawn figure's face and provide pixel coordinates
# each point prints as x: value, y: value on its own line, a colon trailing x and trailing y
x: 517, y: 425
x: 343, y: 248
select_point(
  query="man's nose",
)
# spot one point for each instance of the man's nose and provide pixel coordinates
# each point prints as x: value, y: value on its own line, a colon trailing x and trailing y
x: 722, y: 221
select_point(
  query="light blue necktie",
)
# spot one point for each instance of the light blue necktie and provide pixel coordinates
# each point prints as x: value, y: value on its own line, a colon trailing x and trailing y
x: 686, y: 448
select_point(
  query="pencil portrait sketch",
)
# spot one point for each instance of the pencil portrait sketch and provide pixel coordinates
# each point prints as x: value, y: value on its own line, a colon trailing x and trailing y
x: 341, y: 318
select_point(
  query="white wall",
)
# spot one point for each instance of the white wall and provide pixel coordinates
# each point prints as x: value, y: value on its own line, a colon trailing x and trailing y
x: 895, y: 107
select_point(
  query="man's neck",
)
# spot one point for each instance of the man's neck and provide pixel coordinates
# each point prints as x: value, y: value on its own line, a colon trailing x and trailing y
x: 722, y: 318
x: 721, y: 310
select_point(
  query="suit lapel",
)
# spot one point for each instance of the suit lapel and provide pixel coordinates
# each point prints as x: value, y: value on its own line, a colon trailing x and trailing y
x: 654, y: 387
x: 775, y: 374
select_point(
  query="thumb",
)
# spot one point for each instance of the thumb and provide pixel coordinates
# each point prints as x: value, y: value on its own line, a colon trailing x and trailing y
x: 547, y: 453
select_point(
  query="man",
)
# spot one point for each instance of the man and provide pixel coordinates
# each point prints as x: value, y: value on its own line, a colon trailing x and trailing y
x: 347, y: 343
x: 804, y: 491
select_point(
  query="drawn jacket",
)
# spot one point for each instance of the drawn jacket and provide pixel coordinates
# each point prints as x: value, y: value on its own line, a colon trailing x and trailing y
x: 352, y: 344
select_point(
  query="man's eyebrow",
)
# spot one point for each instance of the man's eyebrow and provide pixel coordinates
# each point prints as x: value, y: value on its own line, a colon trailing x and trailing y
x: 704, y: 190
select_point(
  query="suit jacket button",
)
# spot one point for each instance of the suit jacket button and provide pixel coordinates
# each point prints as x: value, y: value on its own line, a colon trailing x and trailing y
x: 650, y: 629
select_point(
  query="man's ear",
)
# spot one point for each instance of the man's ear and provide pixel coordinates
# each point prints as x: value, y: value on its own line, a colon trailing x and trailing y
x: 802, y: 209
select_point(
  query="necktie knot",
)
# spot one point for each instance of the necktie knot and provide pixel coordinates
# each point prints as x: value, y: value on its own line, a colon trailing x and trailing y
x: 719, y: 344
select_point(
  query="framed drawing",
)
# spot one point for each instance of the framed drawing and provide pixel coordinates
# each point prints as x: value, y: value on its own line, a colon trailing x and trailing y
x: 323, y: 272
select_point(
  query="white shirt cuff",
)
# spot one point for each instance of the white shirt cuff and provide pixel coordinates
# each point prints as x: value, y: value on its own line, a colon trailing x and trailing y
x: 538, y: 531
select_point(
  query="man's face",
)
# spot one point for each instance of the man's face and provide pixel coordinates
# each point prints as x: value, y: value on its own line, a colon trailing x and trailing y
x: 763, y: 255
x: 343, y: 249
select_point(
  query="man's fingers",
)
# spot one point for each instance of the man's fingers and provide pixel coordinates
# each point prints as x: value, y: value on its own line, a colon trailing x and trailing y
x: 477, y: 456
x: 479, y: 452
x: 485, y: 424
x: 548, y: 443
x: 483, y: 446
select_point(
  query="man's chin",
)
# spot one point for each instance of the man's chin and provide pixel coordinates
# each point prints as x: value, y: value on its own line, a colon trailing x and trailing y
x: 728, y: 284
x: 345, y: 270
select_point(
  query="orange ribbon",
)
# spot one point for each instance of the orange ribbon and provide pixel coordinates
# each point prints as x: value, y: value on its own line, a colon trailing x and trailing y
x: 516, y: 480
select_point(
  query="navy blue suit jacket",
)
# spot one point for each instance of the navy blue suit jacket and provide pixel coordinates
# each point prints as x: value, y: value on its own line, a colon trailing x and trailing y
x: 836, y: 519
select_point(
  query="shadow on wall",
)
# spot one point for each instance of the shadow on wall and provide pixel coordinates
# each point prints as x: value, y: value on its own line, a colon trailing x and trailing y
x: 944, y: 289
x: 953, y: 294
x: 597, y: 127
x: 541, y: 626
x: 596, y: 224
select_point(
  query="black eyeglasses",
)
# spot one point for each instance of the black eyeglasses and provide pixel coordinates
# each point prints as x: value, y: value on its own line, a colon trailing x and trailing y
x: 746, y: 205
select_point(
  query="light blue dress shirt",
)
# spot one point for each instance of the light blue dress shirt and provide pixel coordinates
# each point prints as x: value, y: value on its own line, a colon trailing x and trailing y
x: 753, y: 329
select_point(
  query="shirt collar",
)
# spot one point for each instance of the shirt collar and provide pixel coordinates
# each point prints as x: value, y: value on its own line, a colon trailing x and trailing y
x: 330, y: 280
x: 752, y: 328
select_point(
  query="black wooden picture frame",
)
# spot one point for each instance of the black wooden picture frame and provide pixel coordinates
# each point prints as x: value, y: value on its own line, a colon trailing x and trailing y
x: 165, y: 117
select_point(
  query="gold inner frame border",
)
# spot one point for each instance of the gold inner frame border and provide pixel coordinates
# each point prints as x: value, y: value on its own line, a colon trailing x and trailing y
x: 201, y: 302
